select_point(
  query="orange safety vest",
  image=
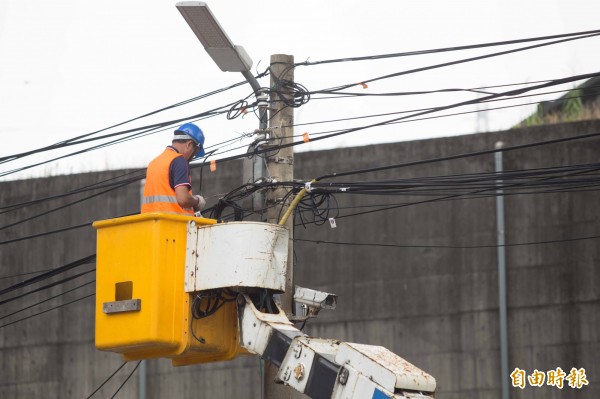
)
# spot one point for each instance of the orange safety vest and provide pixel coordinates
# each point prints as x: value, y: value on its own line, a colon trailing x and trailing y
x: 158, y: 194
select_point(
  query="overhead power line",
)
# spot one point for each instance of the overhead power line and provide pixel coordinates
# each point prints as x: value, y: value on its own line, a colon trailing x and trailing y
x: 85, y: 138
x: 141, y: 172
x: 445, y: 49
x: 108, y: 379
x: 47, y: 286
x: 80, y: 262
x: 79, y: 139
x: 391, y: 245
x: 63, y: 206
x: 47, y: 299
x: 459, y: 156
x: 46, y: 311
x: 126, y: 379
x: 465, y: 60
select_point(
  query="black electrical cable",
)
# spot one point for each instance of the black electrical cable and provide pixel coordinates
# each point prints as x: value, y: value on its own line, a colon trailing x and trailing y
x: 389, y: 114
x: 387, y: 245
x: 454, y: 105
x: 46, y: 311
x: 479, y: 196
x: 196, y: 165
x: 461, y: 155
x: 150, y: 129
x: 454, y: 157
x: 45, y: 287
x: 298, y: 100
x: 462, y: 61
x: 527, y: 178
x: 444, y: 49
x: 24, y: 274
x: 63, y: 206
x: 343, y: 131
x: 80, y: 262
x: 108, y: 379
x: 469, y: 181
x: 46, y: 233
x: 295, y: 100
x: 447, y: 197
x: 126, y: 379
x: 46, y: 300
x: 483, y: 102
x: 89, y: 187
x: 389, y: 122
x: 78, y: 138
x: 85, y: 150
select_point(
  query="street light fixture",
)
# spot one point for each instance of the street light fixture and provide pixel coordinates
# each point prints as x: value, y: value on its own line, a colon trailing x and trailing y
x: 230, y: 58
x: 227, y: 56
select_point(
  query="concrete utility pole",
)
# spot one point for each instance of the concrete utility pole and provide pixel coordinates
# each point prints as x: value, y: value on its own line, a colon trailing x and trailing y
x: 280, y: 164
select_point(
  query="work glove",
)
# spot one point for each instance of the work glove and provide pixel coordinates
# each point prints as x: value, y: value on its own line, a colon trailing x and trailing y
x: 201, y: 202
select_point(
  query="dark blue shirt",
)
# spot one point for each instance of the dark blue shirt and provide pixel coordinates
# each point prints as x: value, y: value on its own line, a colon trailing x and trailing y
x: 179, y: 173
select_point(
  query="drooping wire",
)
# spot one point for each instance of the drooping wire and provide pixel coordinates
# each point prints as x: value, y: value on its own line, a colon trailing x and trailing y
x: 319, y: 206
x: 342, y: 131
x: 389, y: 245
x: 24, y: 274
x: 47, y: 286
x: 108, y: 379
x: 47, y: 299
x: 444, y: 49
x: 202, y: 164
x: 80, y: 262
x: 83, y: 136
x: 461, y: 61
x: 63, y: 206
x: 47, y: 310
x: 207, y: 303
x: 126, y: 379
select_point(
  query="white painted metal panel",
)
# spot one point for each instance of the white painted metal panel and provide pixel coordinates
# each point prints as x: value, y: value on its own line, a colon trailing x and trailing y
x: 384, y: 367
x: 296, y: 366
x: 256, y: 327
x: 237, y: 254
x: 357, y: 385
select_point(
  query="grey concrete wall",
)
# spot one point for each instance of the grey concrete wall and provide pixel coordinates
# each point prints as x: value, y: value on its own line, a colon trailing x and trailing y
x: 436, y: 307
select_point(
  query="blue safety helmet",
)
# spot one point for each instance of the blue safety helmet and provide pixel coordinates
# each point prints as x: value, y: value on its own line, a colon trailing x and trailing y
x: 189, y: 131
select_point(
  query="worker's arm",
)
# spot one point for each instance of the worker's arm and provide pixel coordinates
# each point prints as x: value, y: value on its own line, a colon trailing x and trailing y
x: 185, y: 200
x: 179, y: 178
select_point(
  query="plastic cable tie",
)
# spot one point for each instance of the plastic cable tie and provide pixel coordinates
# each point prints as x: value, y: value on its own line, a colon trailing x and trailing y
x: 332, y: 223
x: 213, y: 165
x: 308, y: 186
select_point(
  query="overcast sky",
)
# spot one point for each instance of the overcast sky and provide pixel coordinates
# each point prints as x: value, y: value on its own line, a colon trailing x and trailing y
x: 70, y: 67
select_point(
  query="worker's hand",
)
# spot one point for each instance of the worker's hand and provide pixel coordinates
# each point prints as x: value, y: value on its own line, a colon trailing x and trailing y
x: 201, y: 202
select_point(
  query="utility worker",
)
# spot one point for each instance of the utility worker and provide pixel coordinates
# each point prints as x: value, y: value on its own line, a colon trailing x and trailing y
x: 168, y: 186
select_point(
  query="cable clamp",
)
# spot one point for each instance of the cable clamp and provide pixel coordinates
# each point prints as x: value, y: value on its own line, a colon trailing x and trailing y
x: 261, y: 136
x: 286, y: 160
x: 308, y: 186
x: 262, y: 98
x: 343, y: 189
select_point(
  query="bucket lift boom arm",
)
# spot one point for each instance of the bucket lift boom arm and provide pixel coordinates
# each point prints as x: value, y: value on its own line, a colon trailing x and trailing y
x: 325, y: 368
